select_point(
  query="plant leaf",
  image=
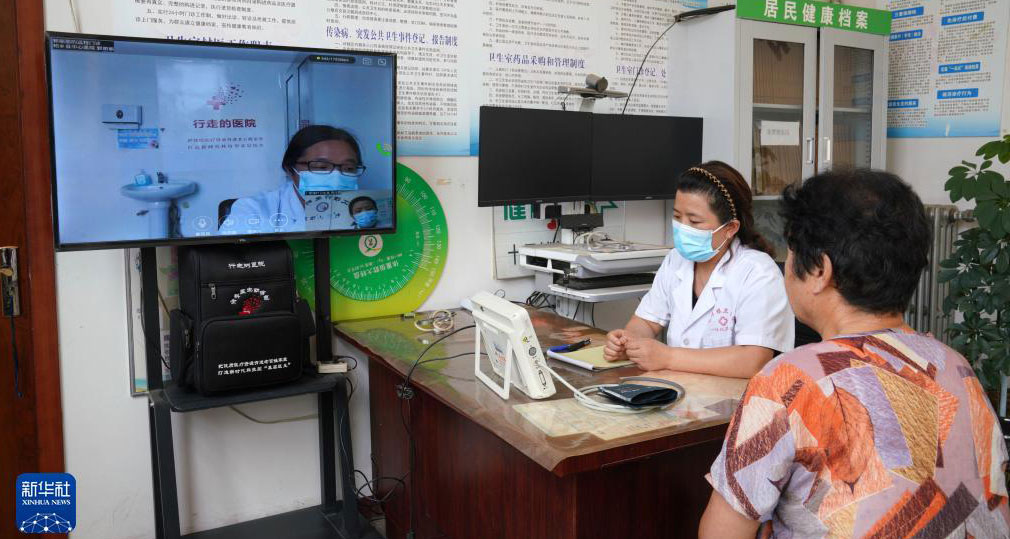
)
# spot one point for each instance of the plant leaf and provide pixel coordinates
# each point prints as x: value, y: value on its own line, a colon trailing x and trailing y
x: 959, y: 342
x: 958, y: 172
x: 1004, y: 154
x: 989, y: 149
x: 989, y: 176
x: 985, y: 164
x: 985, y: 212
x: 970, y: 188
x: 983, y: 193
x: 1002, y: 290
x: 989, y: 255
x: 952, y: 182
x: 955, y: 193
x: 1002, y: 260
x: 946, y: 275
x: 1001, y: 187
x: 996, y: 227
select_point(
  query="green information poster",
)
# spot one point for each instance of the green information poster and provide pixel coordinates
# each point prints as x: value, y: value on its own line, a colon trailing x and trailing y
x: 819, y: 14
x: 383, y: 274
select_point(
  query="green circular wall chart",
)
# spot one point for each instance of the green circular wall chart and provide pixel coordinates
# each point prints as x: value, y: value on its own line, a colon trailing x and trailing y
x: 383, y: 274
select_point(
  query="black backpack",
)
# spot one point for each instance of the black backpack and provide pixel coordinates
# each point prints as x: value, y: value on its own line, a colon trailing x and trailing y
x: 240, y: 323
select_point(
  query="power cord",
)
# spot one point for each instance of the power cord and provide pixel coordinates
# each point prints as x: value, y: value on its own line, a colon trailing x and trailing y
x: 147, y: 339
x: 350, y: 367
x: 373, y: 484
x: 540, y: 300
x: 302, y: 417
x: 73, y: 16
x: 272, y: 421
x: 683, y: 16
x: 406, y: 393
x: 583, y: 398
x: 370, y: 484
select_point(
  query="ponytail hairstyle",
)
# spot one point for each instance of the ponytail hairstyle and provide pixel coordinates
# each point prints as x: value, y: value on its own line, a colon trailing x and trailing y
x: 729, y: 197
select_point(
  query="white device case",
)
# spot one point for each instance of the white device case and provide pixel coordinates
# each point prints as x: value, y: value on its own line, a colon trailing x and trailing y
x: 507, y: 334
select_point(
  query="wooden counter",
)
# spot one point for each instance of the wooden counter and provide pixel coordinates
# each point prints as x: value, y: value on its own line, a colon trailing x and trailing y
x: 483, y: 470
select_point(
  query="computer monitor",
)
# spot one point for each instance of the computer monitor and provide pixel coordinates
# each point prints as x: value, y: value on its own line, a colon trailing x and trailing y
x: 531, y: 155
x: 158, y: 142
x: 641, y: 157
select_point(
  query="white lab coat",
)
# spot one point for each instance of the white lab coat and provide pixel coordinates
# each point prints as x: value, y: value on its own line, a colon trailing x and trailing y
x: 743, y: 303
x: 279, y: 210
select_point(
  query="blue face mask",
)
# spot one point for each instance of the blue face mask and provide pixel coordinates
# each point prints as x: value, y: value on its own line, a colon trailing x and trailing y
x: 333, y: 181
x: 366, y: 218
x: 693, y: 244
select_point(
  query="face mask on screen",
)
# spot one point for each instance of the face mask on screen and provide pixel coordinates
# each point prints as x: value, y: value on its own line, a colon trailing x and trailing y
x: 333, y: 181
x: 366, y: 218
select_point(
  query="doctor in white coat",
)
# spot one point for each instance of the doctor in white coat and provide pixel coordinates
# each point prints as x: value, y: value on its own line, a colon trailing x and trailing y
x: 318, y: 158
x: 719, y: 295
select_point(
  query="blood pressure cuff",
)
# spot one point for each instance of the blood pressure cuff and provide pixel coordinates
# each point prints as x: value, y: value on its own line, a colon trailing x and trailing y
x: 637, y: 395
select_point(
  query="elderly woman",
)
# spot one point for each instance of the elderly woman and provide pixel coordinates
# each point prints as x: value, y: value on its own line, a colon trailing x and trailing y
x: 877, y: 431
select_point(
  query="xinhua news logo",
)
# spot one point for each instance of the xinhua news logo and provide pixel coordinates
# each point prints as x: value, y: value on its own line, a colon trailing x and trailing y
x: 46, y: 503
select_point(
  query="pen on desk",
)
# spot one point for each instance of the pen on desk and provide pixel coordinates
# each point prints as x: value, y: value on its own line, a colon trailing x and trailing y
x: 570, y: 347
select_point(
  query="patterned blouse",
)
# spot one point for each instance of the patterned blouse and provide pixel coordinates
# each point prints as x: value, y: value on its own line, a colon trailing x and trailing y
x: 883, y: 434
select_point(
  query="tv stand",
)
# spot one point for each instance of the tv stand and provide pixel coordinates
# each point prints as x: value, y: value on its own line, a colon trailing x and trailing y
x: 333, y: 518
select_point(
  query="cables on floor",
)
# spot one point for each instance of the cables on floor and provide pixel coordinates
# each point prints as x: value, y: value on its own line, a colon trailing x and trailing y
x: 541, y: 300
x: 406, y: 393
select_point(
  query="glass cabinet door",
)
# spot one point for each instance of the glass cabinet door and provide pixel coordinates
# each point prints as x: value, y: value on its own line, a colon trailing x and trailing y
x: 853, y: 70
x: 778, y: 104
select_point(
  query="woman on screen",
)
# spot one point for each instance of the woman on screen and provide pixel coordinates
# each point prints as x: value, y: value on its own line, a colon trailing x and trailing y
x: 719, y: 295
x: 319, y: 158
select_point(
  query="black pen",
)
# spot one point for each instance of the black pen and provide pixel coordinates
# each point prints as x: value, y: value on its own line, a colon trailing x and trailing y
x: 571, y: 347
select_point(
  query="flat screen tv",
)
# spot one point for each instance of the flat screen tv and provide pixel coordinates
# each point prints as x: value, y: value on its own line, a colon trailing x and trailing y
x: 532, y: 155
x: 641, y: 157
x: 159, y: 142
x: 538, y: 156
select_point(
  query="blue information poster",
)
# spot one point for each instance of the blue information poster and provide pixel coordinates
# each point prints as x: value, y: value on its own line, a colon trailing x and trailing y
x: 947, y: 62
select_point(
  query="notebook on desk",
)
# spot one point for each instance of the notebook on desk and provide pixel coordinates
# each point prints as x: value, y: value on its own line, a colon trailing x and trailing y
x: 588, y: 358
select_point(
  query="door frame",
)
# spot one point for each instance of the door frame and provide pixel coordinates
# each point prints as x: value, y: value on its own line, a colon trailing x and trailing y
x: 26, y: 223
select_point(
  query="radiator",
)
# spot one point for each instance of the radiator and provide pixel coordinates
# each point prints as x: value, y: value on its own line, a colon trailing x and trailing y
x: 925, y: 311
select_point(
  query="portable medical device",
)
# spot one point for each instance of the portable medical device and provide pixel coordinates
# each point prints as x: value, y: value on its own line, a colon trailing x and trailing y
x: 506, y: 332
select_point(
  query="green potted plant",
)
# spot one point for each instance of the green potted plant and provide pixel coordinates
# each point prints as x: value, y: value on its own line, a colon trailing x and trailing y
x: 979, y: 268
